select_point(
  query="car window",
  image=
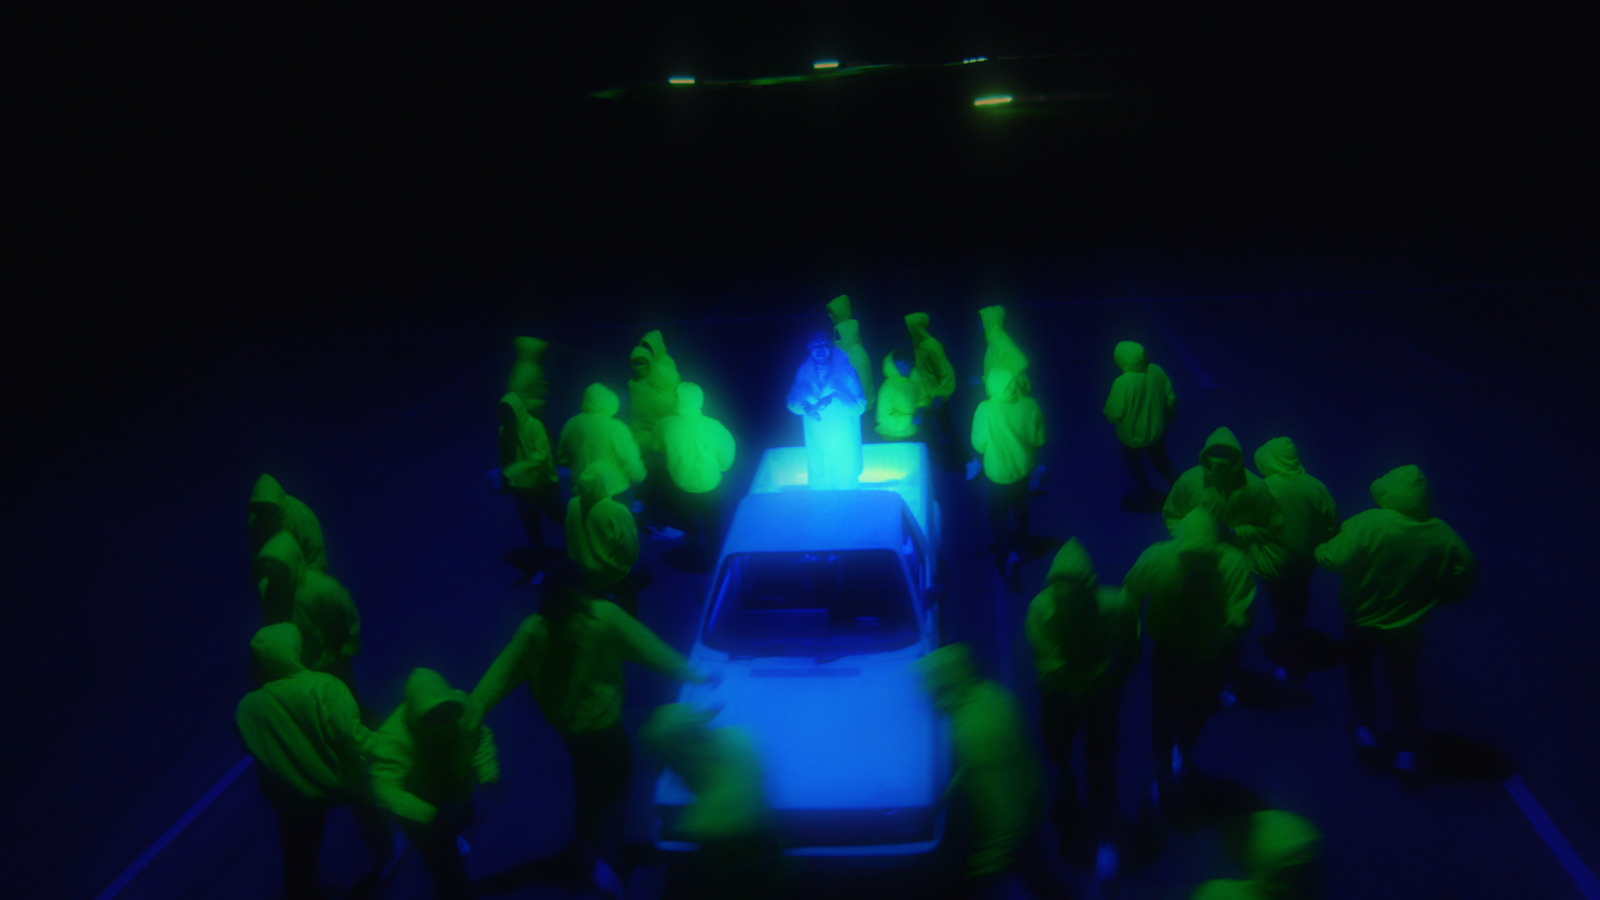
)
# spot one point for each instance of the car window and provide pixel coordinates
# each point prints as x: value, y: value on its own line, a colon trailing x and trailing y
x: 805, y: 604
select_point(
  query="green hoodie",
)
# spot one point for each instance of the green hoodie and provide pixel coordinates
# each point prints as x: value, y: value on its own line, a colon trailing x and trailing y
x: 1280, y: 847
x: 897, y: 403
x: 931, y: 373
x: 1235, y: 496
x: 996, y: 768
x: 850, y: 342
x: 718, y: 765
x: 419, y: 766
x: 1199, y: 589
x: 1085, y: 636
x: 317, y: 604
x: 300, y: 725
x: 839, y: 309
x: 576, y: 675
x: 698, y: 448
x: 1398, y: 562
x: 653, y: 389
x: 1141, y: 403
x: 526, y: 461
x: 272, y: 510
x: 527, y: 373
x: 1007, y: 430
x: 594, y: 434
x: 1310, y: 516
x: 1000, y: 351
x: 602, y: 537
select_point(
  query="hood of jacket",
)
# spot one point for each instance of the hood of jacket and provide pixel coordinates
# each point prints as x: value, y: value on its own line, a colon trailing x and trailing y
x: 849, y: 334
x: 529, y: 349
x: 1280, y: 840
x: 691, y: 399
x: 426, y: 690
x: 917, y: 324
x: 1196, y: 532
x: 282, y: 562
x: 993, y: 318
x: 1072, y: 568
x: 1404, y: 490
x: 1223, y: 460
x: 839, y: 309
x: 947, y: 673
x: 1001, y: 385
x: 268, y: 492
x: 512, y: 411
x: 891, y: 371
x: 595, y: 483
x: 600, y: 400
x: 1278, y: 457
x: 275, y: 652
x: 641, y: 359
x: 1130, y: 356
x: 656, y: 344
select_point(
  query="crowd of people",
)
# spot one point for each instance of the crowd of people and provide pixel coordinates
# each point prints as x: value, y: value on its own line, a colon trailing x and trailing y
x: 660, y: 472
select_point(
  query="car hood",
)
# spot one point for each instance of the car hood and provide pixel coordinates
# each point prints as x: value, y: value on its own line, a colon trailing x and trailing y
x: 854, y: 733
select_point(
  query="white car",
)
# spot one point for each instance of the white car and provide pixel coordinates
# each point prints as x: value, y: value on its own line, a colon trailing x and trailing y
x: 820, y: 603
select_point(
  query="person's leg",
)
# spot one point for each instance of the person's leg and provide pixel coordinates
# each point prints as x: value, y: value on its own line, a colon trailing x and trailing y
x: 441, y: 856
x: 1203, y: 683
x: 602, y: 767
x: 1166, y: 708
x: 710, y: 516
x: 1361, y: 651
x: 1158, y: 458
x: 1132, y: 458
x: 300, y: 825
x: 1401, y: 652
x: 1019, y: 505
x: 1059, y: 721
x: 1100, y: 760
x: 531, y: 517
x: 1001, y: 537
x: 375, y: 830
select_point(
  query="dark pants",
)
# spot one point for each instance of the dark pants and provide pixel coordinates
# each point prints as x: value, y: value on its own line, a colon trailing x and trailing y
x: 624, y: 593
x: 1400, y: 651
x: 1158, y: 458
x: 534, y: 507
x: 1183, y: 695
x: 436, y: 844
x: 1289, y: 595
x: 1060, y: 720
x: 700, y: 515
x: 749, y: 866
x: 300, y: 826
x: 1008, y: 501
x: 602, y: 768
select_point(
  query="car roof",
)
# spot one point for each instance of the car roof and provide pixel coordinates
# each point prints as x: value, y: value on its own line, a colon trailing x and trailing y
x: 817, y: 520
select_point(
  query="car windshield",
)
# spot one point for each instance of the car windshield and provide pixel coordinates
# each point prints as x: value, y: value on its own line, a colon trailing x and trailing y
x: 822, y: 604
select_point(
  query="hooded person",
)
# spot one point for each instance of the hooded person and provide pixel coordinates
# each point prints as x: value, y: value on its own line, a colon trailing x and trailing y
x: 698, y: 450
x: 570, y: 655
x: 595, y: 434
x: 738, y: 850
x: 1397, y: 564
x: 839, y: 310
x: 1280, y: 856
x: 528, y: 469
x: 1236, y: 497
x: 1310, y: 518
x: 527, y: 373
x: 653, y: 389
x: 1198, y: 591
x: 602, y: 537
x: 897, y: 401
x: 1085, y: 640
x: 291, y: 591
x: 1007, y: 432
x: 849, y: 342
x: 827, y: 397
x: 997, y: 775
x: 1000, y: 351
x: 428, y: 759
x: 305, y: 732
x: 1141, y: 405
x: 933, y: 377
x: 272, y: 509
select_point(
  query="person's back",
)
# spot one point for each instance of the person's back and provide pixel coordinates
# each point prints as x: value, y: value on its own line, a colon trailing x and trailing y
x: 1235, y: 496
x: 1310, y: 517
x: 1398, y: 562
x: 1000, y: 351
x: 653, y: 389
x: 897, y: 400
x: 931, y: 372
x: 1199, y: 589
x: 1084, y: 635
x: 526, y: 460
x: 849, y: 343
x: 594, y: 435
x: 1141, y: 402
x: 698, y: 448
x: 290, y: 591
x: 432, y: 751
x: 1007, y: 429
x: 302, y: 726
x: 272, y: 509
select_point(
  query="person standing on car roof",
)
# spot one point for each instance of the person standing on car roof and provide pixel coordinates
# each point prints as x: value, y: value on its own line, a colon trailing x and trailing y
x: 827, y: 397
x: 848, y: 331
x: 570, y: 655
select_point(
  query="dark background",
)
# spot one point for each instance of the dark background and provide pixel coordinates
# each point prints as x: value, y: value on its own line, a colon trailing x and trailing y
x: 256, y: 239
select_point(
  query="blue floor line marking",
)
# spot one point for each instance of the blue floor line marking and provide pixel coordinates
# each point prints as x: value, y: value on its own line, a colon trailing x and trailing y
x: 177, y: 828
x: 1181, y: 350
x: 1553, y: 838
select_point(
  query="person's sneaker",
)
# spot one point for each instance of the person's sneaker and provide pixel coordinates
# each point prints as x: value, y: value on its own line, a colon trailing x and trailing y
x: 1228, y: 699
x: 1405, y: 766
x: 1366, y: 746
x: 636, y: 506
x: 1011, y: 570
x: 606, y: 880
x: 462, y: 846
x: 1036, y: 478
x: 665, y: 533
x: 1105, y: 863
x: 974, y: 469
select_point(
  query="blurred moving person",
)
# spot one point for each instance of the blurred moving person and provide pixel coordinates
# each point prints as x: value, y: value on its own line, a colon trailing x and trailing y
x: 1085, y: 639
x: 1398, y: 563
x: 272, y: 509
x: 527, y: 374
x: 827, y: 397
x: 1310, y: 518
x: 1141, y: 404
x: 1281, y: 856
x: 1007, y: 432
x: 428, y: 759
x: 305, y: 732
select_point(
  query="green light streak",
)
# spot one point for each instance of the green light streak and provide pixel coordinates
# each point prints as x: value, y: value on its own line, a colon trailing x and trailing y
x: 994, y: 100
x: 681, y: 79
x: 825, y: 64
